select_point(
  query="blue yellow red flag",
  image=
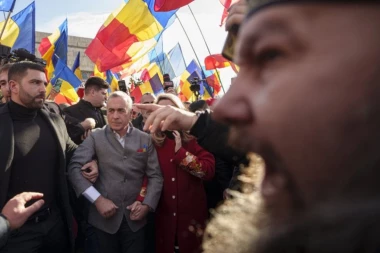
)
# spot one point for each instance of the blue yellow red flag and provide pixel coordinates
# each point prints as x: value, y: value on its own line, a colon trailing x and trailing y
x: 76, y: 67
x: 65, y: 81
x: 20, y: 30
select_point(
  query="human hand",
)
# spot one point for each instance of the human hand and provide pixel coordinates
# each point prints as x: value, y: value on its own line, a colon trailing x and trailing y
x: 86, y: 134
x: 88, y: 123
x: 236, y: 14
x: 15, y: 210
x: 171, y: 90
x: 90, y: 171
x: 105, y: 207
x: 178, y: 141
x: 167, y: 117
x: 138, y: 210
x: 53, y: 94
x: 226, y: 194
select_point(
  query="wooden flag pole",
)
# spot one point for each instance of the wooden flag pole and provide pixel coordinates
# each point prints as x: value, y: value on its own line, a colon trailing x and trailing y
x: 208, y: 49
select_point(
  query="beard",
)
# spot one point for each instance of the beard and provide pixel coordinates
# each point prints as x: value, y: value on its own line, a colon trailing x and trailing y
x: 238, y: 222
x: 32, y: 102
x: 240, y: 140
x: 242, y: 222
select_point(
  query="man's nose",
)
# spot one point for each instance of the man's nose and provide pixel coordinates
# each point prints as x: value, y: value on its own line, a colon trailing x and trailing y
x: 235, y: 106
x: 42, y: 88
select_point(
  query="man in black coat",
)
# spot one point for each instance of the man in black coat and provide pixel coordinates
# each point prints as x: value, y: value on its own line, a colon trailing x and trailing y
x: 87, y: 111
x: 35, y: 148
x: 4, y: 84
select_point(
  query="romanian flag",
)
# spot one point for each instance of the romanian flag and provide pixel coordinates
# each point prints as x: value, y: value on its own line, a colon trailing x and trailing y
x: 20, y: 29
x: 152, y: 78
x: 213, y: 81
x: 155, y: 61
x: 114, y: 42
x: 144, y: 61
x: 169, y: 5
x: 112, y: 81
x: 7, y: 5
x: 193, y: 70
x: 128, y: 35
x: 227, y: 4
x: 184, y: 82
x: 154, y: 85
x: 217, y: 61
x: 147, y: 50
x: 55, y: 44
x: 98, y: 73
x: 76, y: 67
x: 163, y: 62
x: 176, y: 59
x: 65, y: 82
x: 150, y: 71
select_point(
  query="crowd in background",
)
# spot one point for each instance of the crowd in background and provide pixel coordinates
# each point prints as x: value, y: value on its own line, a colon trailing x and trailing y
x: 305, y: 100
x: 120, y: 176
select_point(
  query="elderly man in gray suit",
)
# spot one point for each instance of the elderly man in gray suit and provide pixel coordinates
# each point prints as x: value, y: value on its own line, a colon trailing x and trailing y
x: 125, y: 155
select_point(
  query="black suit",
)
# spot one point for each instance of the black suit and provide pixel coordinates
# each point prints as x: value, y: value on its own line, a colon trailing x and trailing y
x: 66, y: 149
x: 78, y: 113
x: 138, y: 122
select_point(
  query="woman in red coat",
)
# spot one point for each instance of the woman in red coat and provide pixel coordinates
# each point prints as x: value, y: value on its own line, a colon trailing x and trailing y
x: 182, y: 211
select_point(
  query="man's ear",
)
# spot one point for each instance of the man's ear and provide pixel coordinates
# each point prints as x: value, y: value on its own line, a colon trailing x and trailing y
x: 13, y: 86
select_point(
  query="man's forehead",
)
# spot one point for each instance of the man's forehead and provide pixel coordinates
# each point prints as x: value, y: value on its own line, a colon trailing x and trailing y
x: 256, y: 6
x: 147, y: 97
x: 3, y: 76
x: 116, y: 102
x: 36, y: 74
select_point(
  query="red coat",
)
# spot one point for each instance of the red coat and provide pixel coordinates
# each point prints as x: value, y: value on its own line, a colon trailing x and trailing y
x: 182, y: 209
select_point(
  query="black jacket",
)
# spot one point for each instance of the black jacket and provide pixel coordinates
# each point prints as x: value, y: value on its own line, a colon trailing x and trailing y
x: 78, y: 113
x: 138, y: 123
x: 213, y: 136
x: 66, y: 147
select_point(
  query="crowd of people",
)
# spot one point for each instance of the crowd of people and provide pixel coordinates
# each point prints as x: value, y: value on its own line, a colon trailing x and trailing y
x: 305, y: 100
x: 128, y: 190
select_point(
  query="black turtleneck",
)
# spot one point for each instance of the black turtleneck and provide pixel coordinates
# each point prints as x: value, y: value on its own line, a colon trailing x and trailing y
x: 35, y: 162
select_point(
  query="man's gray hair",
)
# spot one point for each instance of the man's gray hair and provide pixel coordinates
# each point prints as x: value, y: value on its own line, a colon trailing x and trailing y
x: 123, y: 95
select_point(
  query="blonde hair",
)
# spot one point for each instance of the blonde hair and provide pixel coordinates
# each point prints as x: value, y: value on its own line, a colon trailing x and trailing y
x: 159, y: 137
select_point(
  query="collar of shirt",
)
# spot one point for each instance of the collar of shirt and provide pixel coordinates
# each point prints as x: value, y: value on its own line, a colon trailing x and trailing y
x: 121, y: 139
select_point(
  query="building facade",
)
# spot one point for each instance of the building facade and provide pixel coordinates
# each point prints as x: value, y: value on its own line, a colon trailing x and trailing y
x: 75, y: 45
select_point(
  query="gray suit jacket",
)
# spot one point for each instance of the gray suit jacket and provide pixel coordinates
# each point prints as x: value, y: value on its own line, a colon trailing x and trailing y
x: 121, y: 173
x: 4, y: 227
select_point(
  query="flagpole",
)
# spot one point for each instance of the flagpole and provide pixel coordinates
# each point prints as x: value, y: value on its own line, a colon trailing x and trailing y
x: 5, y: 25
x: 191, y: 44
x: 208, y: 49
x: 159, y: 62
